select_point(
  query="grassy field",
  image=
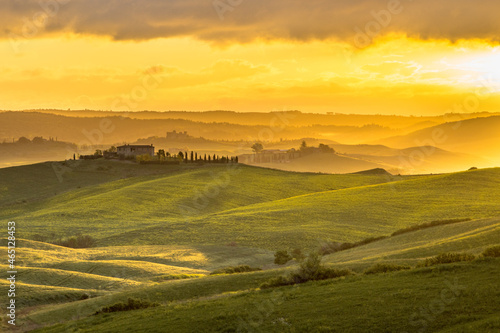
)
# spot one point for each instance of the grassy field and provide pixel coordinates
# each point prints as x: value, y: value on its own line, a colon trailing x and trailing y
x: 255, y: 207
x: 50, y: 306
x: 161, y: 230
x: 457, y: 297
x: 174, y: 199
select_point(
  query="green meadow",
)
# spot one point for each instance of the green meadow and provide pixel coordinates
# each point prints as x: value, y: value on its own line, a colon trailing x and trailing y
x: 159, y: 231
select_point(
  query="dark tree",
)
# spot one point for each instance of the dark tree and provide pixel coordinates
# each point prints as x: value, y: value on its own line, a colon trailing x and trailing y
x: 257, y: 147
x: 161, y: 154
x: 38, y: 140
x: 23, y: 140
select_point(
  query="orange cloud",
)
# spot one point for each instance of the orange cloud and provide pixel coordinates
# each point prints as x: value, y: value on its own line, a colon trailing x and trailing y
x: 222, y: 21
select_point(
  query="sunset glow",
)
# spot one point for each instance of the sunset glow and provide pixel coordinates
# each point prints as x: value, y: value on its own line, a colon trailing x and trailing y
x: 227, y: 64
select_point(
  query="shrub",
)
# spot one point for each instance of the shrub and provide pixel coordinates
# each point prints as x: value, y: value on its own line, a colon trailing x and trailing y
x: 325, y: 273
x: 169, y: 277
x: 282, y: 257
x: 446, y: 258
x: 277, y: 282
x: 143, y: 158
x: 333, y: 247
x: 493, y: 251
x: 132, y: 304
x: 385, y: 268
x: 428, y: 225
x: 298, y: 255
x: 235, y: 269
x: 310, y: 269
x: 84, y: 296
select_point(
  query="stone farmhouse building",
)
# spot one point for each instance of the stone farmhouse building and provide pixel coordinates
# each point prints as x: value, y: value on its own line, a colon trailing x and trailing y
x: 135, y: 150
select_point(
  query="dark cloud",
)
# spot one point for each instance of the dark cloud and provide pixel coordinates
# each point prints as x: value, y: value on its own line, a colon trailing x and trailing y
x: 222, y: 21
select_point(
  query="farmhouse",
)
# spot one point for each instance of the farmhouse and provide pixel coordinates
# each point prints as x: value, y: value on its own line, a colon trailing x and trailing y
x: 135, y: 150
x: 271, y: 156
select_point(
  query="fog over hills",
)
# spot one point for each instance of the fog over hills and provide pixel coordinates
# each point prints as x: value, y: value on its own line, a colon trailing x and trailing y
x: 400, y: 144
x: 479, y: 136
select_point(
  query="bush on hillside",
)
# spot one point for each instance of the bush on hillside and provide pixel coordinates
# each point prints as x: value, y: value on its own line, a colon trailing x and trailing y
x: 447, y: 258
x: 332, y: 247
x: 310, y: 269
x: 277, y: 282
x: 235, y: 269
x: 385, y: 268
x: 493, y: 251
x: 169, y: 277
x: 132, y: 304
x: 428, y: 225
x: 282, y: 257
x: 298, y: 255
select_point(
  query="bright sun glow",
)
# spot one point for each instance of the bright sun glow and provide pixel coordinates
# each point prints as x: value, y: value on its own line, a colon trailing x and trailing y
x: 396, y: 74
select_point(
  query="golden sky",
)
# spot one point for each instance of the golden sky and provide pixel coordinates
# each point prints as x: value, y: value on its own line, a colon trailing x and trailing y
x: 358, y: 56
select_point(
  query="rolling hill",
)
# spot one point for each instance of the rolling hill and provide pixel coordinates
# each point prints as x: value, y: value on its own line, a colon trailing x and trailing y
x: 253, y: 207
x: 325, y: 163
x: 478, y: 136
x: 379, y: 303
x: 354, y: 158
x: 235, y: 291
x: 160, y: 231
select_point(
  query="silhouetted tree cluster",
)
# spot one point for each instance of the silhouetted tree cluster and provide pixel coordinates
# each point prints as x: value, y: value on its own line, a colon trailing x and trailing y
x: 322, y: 148
x: 194, y: 157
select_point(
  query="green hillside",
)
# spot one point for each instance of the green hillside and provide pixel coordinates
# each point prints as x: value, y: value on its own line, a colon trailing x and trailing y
x: 409, y: 248
x: 254, y: 207
x: 158, y: 238
x: 173, y: 197
x: 467, y: 296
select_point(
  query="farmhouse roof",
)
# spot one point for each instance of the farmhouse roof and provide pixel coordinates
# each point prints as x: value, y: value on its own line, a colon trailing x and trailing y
x: 135, y: 146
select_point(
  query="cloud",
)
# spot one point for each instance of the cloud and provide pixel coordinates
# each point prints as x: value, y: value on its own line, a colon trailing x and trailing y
x: 221, y: 71
x: 393, y: 67
x: 225, y: 21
